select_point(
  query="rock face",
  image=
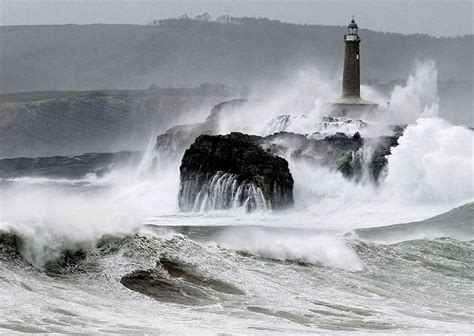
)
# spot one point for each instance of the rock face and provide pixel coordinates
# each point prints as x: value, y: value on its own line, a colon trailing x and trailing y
x: 354, y: 156
x: 233, y: 171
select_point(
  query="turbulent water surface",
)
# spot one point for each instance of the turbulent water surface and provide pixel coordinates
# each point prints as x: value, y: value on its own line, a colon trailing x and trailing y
x: 115, y: 255
x: 223, y: 271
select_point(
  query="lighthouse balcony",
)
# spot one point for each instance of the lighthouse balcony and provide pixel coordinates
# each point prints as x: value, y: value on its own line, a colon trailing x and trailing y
x: 351, y: 37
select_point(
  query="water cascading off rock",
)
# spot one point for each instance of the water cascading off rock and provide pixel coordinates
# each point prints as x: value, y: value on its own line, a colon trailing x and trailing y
x: 233, y: 171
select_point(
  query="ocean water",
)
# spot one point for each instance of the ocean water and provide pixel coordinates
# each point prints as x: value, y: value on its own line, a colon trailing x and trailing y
x: 245, y: 277
x: 115, y: 254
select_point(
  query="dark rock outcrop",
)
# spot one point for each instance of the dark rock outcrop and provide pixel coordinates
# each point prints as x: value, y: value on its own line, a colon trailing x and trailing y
x: 177, y: 282
x: 67, y: 166
x: 225, y: 171
x: 354, y: 156
x: 370, y: 160
x: 329, y: 151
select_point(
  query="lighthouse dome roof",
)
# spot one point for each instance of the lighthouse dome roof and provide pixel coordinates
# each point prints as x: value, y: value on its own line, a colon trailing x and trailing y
x: 352, y: 24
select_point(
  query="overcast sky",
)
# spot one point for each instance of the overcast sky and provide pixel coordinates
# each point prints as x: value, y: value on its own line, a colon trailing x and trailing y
x: 441, y: 18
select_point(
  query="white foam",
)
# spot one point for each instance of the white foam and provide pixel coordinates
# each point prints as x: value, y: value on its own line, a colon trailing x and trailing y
x: 429, y: 173
x: 418, y: 98
x: 433, y: 163
x: 322, y: 249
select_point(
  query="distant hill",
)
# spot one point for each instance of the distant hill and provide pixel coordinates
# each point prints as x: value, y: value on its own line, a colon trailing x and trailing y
x: 187, y: 52
x: 73, y: 122
x: 62, y: 87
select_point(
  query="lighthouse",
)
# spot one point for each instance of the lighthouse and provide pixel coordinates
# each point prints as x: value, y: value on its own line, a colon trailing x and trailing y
x: 351, y: 73
x: 351, y: 104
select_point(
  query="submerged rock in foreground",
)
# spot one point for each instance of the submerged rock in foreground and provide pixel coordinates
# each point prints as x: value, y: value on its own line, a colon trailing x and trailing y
x: 233, y: 171
x: 176, y: 282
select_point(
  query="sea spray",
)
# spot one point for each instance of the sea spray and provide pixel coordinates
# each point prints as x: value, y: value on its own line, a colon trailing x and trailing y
x: 418, y: 98
x: 433, y: 163
x: 296, y: 96
x: 431, y: 170
x: 436, y: 148
x: 284, y: 109
x: 312, y: 127
x: 48, y: 220
x: 148, y: 161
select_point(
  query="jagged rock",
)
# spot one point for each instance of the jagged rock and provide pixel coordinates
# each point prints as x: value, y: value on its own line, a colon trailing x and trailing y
x: 382, y: 149
x: 338, y: 152
x: 225, y: 171
x: 355, y: 165
x: 328, y: 151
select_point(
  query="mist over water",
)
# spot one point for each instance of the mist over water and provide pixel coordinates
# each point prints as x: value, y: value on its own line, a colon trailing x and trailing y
x: 430, y: 150
x: 418, y: 98
x: 430, y: 172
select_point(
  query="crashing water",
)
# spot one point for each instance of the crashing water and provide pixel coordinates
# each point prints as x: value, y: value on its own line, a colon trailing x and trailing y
x: 115, y: 254
x: 314, y: 128
x: 222, y: 191
x: 229, y: 279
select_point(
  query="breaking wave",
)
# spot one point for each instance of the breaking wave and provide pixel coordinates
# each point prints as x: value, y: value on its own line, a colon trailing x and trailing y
x: 287, y: 245
x: 433, y: 163
x: 338, y: 259
x: 326, y: 248
x: 211, y: 267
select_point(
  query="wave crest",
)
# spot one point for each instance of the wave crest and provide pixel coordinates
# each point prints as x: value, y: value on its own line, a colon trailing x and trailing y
x: 316, y: 249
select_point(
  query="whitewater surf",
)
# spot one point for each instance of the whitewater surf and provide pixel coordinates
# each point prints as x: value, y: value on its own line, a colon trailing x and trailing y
x: 114, y: 253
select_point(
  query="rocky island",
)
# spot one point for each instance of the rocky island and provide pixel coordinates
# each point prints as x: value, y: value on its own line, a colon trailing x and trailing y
x: 225, y: 171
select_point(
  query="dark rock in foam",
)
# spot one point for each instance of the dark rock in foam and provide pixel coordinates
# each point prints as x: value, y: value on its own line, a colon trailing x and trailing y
x: 177, y: 282
x: 224, y: 171
x: 339, y: 152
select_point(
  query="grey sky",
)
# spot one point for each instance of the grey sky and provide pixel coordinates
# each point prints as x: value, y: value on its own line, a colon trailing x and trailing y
x: 442, y: 18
